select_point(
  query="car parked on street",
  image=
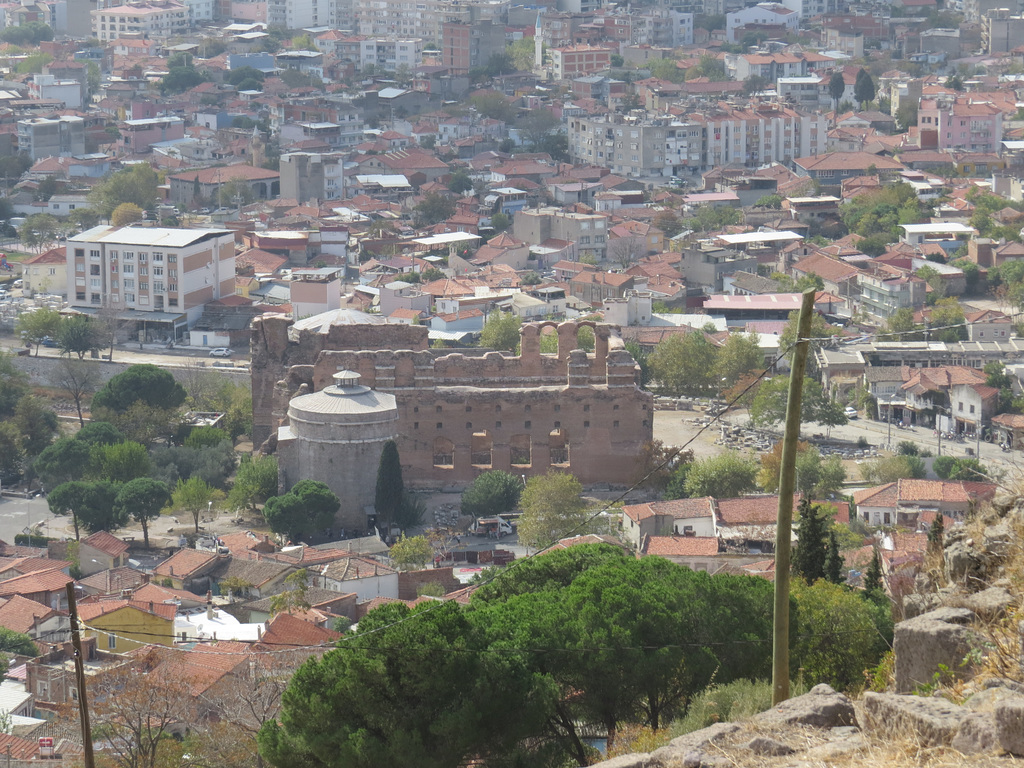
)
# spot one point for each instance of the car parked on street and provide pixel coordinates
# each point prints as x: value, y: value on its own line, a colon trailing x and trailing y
x: 220, y: 352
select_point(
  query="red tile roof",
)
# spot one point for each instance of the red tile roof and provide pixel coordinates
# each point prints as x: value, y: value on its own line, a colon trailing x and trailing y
x: 680, y: 546
x: 33, y: 583
x: 18, y: 613
x: 287, y: 630
x: 89, y: 611
x: 106, y: 543
x: 184, y: 563
x: 678, y: 509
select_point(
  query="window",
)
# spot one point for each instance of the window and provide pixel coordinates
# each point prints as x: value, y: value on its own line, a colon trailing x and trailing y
x: 79, y: 295
x: 79, y: 267
x: 95, y: 283
x: 158, y: 271
x: 95, y: 299
x: 94, y: 254
x: 143, y: 285
x: 158, y: 256
x: 113, y: 254
x: 972, y: 409
x: 129, y: 296
x: 129, y: 282
x: 111, y: 642
x: 129, y: 255
x: 172, y: 258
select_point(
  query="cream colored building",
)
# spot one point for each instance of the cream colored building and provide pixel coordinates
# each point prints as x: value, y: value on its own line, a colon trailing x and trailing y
x: 46, y: 273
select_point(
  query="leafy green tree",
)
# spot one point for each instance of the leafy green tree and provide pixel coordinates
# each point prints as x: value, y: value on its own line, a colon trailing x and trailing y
x: 144, y: 383
x: 873, y: 575
x: 901, y: 326
x: 194, y: 496
x: 181, y: 79
x: 77, y: 335
x: 666, y: 69
x: 35, y: 326
x: 200, y: 437
x: 494, y: 105
x: 255, y: 482
x: 460, y: 182
x: 17, y: 642
x: 137, y: 184
x: 99, y: 433
x: 39, y: 231
x: 936, y: 533
x: 409, y: 553
x: 63, y: 461
x: 770, y: 402
x: 12, y: 455
x: 98, y: 511
x: 553, y: 508
x: 536, y: 125
x: 948, y: 319
x: 434, y: 208
x: 126, y: 214
x: 36, y: 423
x: 390, y: 489
x: 27, y: 35
x: 501, y: 332
x: 839, y: 636
x: 820, y: 329
x: 726, y: 475
x: 739, y: 356
x: 815, y: 476
x: 142, y: 499
x: 892, y: 468
x: 122, y: 462
x: 432, y: 705
x: 310, y: 506
x: 492, y: 493
x: 954, y: 468
x: 684, y: 365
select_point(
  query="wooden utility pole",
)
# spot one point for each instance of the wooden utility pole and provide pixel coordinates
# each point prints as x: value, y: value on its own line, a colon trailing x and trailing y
x: 83, y: 702
x: 787, y: 485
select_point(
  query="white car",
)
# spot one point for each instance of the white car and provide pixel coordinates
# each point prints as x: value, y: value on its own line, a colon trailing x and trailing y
x: 851, y: 412
x: 220, y: 352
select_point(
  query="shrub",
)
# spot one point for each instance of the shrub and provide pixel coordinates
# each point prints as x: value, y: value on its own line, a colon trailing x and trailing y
x: 726, y: 703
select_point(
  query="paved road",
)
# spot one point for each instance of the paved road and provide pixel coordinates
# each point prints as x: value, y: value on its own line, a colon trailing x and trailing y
x: 18, y: 514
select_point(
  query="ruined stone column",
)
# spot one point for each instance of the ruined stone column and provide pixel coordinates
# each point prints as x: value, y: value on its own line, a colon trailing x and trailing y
x: 566, y: 339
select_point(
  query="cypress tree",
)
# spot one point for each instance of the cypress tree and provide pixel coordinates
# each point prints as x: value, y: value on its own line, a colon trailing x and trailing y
x: 936, y: 533
x: 390, y: 488
x: 873, y: 575
x: 834, y: 564
x: 811, y: 547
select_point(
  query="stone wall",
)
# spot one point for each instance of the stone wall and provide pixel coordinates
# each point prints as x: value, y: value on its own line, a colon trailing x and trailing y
x: 462, y: 415
x: 39, y: 369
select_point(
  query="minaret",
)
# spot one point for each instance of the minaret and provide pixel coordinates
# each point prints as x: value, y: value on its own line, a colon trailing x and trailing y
x: 538, y: 46
x: 257, y: 148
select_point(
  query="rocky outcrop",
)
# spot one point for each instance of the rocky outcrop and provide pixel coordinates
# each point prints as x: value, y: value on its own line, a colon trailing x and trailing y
x: 922, y: 644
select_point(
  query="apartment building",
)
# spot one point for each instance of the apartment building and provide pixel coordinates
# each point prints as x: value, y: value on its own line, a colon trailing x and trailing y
x: 390, y: 53
x: 575, y: 60
x: 48, y: 87
x: 966, y: 122
x: 555, y: 229
x: 42, y: 137
x: 400, y: 18
x: 883, y: 293
x: 155, y: 275
x: 297, y: 14
x: 465, y: 45
x: 770, y: 66
x: 807, y: 9
x: 760, y: 16
x: 154, y: 19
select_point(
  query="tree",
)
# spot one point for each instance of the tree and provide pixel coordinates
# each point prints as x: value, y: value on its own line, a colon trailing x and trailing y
x: 492, y: 493
x: 666, y: 69
x: 65, y: 460
x: 901, y: 326
x: 14, y: 384
x: 535, y: 126
x: 864, y: 88
x: 740, y: 355
x: 181, y: 79
x: 668, y: 222
x: 36, y: 423
x: 390, y: 489
x: 40, y: 231
x: 99, y: 433
x: 194, y: 496
x: 834, y: 563
x: 122, y: 462
x: 76, y: 335
x: 144, y: 383
x: 310, y: 506
x: 142, y: 499
x: 684, y: 365
x: 626, y: 251
x: 873, y: 575
x: 494, y: 105
x: 501, y: 332
x: 201, y: 437
x: 125, y: 214
x: 814, y: 476
x: 434, y: 207
x: 460, y: 182
x: 17, y: 642
x: 76, y: 378
x: 294, y: 596
x: 820, y: 329
x: 27, y: 35
x: 552, y: 509
x: 37, y: 325
x: 839, y: 634
x: 770, y: 402
x: 98, y: 511
x: 755, y: 84
x: 137, y: 184
x: 723, y: 476
x: 836, y: 89
x: 255, y: 482
x: 812, y: 543
x: 409, y: 553
x: 68, y: 499
x: 893, y: 468
x: 500, y: 222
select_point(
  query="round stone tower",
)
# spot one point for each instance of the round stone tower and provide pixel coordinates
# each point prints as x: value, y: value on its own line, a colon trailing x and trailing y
x: 336, y: 436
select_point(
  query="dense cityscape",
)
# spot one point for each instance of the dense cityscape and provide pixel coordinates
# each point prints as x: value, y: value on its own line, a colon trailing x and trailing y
x: 405, y: 383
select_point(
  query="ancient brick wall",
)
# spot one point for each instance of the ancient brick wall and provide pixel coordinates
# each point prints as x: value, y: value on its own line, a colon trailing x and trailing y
x: 460, y: 416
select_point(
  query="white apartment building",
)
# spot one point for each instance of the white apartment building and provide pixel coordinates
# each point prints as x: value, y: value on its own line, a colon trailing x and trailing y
x: 155, y: 18
x: 47, y: 87
x: 808, y: 9
x: 401, y: 18
x: 760, y: 15
x: 201, y: 10
x: 390, y: 53
x: 297, y: 14
x: 152, y: 274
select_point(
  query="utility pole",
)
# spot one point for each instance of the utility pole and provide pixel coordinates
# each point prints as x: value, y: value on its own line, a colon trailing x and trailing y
x: 787, y: 485
x: 83, y: 702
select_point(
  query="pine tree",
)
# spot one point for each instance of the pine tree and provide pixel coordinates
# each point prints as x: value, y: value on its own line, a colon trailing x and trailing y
x: 936, y: 533
x: 834, y: 563
x: 811, y: 548
x: 390, y: 488
x: 873, y: 575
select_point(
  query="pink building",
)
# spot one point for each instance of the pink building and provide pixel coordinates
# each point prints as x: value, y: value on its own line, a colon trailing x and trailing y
x: 964, y: 123
x: 140, y: 135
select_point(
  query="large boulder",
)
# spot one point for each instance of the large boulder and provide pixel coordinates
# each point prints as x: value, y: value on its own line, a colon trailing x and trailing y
x: 821, y: 707
x: 923, y: 643
x: 1009, y: 717
x: 989, y: 604
x: 935, y: 721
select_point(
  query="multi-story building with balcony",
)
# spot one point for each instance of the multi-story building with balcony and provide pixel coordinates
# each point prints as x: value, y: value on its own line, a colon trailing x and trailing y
x: 42, y: 137
x: 153, y: 19
x: 390, y: 53
x: 966, y: 122
x: 159, y: 277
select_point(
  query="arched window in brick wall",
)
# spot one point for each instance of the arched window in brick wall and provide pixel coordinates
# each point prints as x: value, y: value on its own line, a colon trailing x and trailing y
x: 480, y: 449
